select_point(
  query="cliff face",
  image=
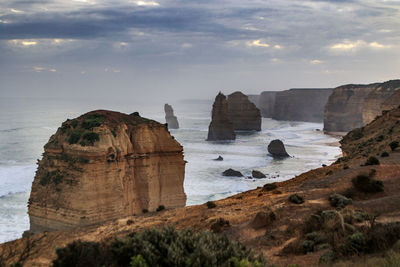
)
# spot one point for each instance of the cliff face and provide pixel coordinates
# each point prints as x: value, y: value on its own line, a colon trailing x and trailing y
x: 102, y: 166
x: 301, y: 104
x: 373, y: 103
x: 170, y: 118
x: 343, y: 112
x: 243, y: 113
x: 353, y: 106
x: 221, y: 127
x: 266, y: 104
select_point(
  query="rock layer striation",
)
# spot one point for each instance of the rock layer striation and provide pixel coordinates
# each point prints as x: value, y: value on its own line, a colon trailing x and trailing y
x: 102, y: 166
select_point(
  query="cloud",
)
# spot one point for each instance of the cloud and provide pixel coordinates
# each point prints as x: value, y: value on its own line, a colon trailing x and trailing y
x: 257, y: 43
x: 23, y: 42
x: 315, y: 61
x: 147, y: 3
x: 355, y: 45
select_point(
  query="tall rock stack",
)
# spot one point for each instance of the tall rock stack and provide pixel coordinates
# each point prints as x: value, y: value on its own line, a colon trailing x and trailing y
x: 221, y: 127
x: 244, y: 114
x: 102, y: 166
x: 170, y: 118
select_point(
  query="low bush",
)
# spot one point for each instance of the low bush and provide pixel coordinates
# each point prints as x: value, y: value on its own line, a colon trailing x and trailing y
x: 393, y: 145
x: 159, y: 247
x: 74, y: 137
x: 211, y: 204
x: 91, y: 137
x: 296, y: 199
x: 160, y: 208
x: 372, y: 161
x: 91, y: 121
x: 384, y: 154
x: 339, y: 201
x: 269, y: 187
x: 356, y: 242
x: 366, y: 184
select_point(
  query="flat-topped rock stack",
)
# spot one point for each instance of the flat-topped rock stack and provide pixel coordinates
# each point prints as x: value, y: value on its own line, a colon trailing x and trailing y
x: 170, y: 118
x: 243, y: 113
x: 221, y: 126
x: 102, y: 166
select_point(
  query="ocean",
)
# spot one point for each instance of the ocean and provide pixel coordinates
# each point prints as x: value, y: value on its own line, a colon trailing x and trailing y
x: 26, y: 124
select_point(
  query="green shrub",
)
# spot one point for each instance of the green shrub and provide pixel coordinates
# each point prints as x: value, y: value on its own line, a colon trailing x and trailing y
x: 356, y: 242
x: 160, y: 208
x: 145, y: 210
x: 91, y: 121
x: 393, y: 145
x: 384, y: 154
x: 296, y: 199
x: 327, y: 257
x: 211, y: 204
x: 308, y: 246
x: 74, y: 137
x: 269, y: 187
x: 159, y: 247
x: 380, y: 138
x: 74, y: 123
x: 372, y: 161
x: 357, y: 134
x: 91, y: 137
x: 366, y: 184
x: 339, y: 201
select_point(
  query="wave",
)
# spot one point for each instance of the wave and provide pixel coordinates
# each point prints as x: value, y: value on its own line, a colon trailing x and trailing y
x: 16, y: 179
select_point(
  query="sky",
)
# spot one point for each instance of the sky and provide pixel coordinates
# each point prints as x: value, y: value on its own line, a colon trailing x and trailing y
x: 177, y: 49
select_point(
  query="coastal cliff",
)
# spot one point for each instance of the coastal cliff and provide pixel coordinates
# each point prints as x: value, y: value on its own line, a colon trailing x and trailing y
x: 266, y: 103
x: 244, y: 114
x: 102, y: 166
x: 221, y: 126
x: 301, y: 104
x: 353, y: 106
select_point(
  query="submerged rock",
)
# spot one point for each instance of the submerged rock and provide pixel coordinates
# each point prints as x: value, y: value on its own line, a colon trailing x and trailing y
x: 170, y: 118
x: 243, y: 113
x: 219, y: 158
x: 232, y: 173
x: 258, y: 174
x: 221, y: 127
x: 277, y: 149
x: 103, y: 166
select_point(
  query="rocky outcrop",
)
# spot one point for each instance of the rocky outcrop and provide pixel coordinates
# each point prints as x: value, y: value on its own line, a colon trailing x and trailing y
x: 266, y: 103
x: 221, y: 126
x: 170, y: 118
x: 258, y: 174
x: 375, y: 101
x: 244, y: 114
x: 392, y: 102
x: 301, y: 104
x: 102, y: 166
x: 277, y: 149
x: 353, y: 106
x: 232, y: 173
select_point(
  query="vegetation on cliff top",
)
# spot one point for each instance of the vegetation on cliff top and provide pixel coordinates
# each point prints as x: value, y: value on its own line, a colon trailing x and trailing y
x: 159, y: 247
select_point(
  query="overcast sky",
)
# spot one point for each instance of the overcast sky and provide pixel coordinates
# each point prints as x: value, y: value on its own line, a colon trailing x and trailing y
x: 193, y: 49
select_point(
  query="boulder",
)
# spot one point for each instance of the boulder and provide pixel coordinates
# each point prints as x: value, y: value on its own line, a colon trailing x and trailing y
x: 219, y: 158
x: 221, y: 126
x: 243, y: 113
x: 232, y: 173
x: 170, y: 118
x: 258, y: 174
x: 277, y: 149
x: 104, y: 166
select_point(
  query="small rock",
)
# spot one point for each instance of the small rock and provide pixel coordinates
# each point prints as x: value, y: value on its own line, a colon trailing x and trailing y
x: 277, y: 149
x: 258, y: 174
x: 219, y: 158
x: 232, y: 173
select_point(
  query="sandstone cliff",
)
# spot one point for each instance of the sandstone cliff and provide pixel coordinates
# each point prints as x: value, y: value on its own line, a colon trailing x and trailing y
x: 301, y: 104
x: 221, y: 127
x: 105, y: 165
x: 170, y: 118
x: 373, y: 103
x: 353, y: 106
x: 244, y: 114
x: 266, y: 103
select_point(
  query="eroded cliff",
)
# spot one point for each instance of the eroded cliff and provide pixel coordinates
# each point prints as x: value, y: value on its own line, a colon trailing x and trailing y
x: 243, y: 113
x: 105, y: 165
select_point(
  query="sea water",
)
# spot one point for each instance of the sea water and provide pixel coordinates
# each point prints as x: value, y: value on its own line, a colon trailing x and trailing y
x: 26, y: 124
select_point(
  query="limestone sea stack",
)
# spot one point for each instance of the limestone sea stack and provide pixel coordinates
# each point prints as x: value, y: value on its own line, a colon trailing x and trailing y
x: 170, y: 118
x: 277, y: 149
x: 221, y: 127
x: 102, y: 166
x: 243, y: 113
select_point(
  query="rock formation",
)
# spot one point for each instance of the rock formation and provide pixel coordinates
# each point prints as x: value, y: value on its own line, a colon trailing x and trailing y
x: 374, y: 102
x: 266, y: 103
x: 221, y: 127
x: 244, y: 114
x: 102, y: 166
x: 258, y: 174
x: 219, y: 158
x: 232, y: 173
x: 254, y: 99
x: 170, y: 118
x: 392, y: 102
x: 301, y: 104
x: 277, y: 149
x: 353, y: 106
